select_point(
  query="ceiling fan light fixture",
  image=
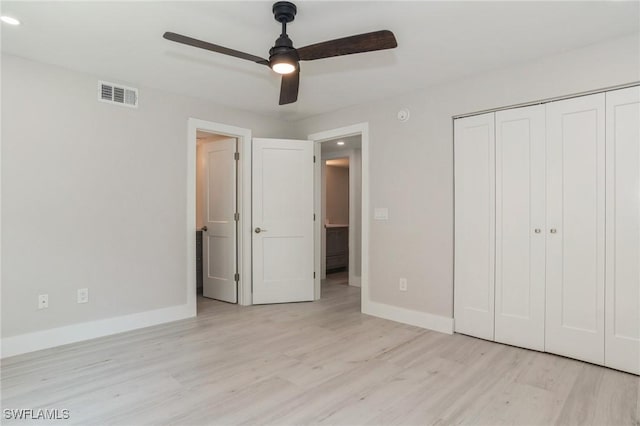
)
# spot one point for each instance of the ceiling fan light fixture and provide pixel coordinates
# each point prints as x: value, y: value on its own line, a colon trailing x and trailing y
x: 283, y: 63
x: 283, y: 67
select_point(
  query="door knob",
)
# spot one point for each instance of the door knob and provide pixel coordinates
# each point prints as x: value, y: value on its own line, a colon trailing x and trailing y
x: 537, y: 230
x: 258, y: 230
x: 204, y: 229
x: 553, y: 230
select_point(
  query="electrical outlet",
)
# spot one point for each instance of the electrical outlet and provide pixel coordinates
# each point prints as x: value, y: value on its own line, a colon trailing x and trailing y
x: 83, y: 295
x: 43, y: 301
x: 403, y: 284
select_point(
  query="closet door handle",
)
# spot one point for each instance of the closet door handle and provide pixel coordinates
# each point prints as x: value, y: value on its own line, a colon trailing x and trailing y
x: 537, y: 230
x: 553, y: 230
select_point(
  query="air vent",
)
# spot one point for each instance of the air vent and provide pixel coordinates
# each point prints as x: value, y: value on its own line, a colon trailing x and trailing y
x: 117, y: 94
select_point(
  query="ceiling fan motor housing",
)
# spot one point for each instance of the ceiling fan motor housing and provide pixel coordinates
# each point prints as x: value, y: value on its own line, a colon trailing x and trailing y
x: 283, y: 49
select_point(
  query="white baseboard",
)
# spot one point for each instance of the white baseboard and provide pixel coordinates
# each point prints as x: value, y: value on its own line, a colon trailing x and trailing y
x: 23, y: 343
x: 408, y: 316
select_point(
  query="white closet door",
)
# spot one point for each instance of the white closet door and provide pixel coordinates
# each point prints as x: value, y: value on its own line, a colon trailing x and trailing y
x: 474, y: 152
x: 575, y: 228
x: 520, y: 224
x: 622, y: 335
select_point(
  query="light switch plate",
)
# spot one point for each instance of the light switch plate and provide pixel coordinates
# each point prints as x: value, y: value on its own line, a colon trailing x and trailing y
x: 402, y: 286
x: 83, y: 295
x: 381, y: 213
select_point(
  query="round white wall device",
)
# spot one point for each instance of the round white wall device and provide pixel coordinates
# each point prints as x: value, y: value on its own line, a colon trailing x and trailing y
x: 403, y: 115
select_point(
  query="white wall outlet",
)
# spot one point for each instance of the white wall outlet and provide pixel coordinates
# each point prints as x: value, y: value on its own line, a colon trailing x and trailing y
x: 83, y: 295
x: 403, y: 284
x: 381, y: 213
x: 43, y: 301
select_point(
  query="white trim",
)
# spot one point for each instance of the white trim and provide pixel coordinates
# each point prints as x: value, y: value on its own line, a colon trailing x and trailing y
x: 29, y: 342
x: 244, y: 205
x: 356, y: 129
x: 408, y: 316
x: 319, y: 259
x: 354, y: 280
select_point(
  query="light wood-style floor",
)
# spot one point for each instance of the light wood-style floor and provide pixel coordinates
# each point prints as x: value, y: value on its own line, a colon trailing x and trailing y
x: 312, y: 363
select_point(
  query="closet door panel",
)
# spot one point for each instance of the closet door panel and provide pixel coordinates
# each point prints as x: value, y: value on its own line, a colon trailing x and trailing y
x: 575, y: 234
x: 622, y: 335
x: 474, y: 153
x: 520, y: 221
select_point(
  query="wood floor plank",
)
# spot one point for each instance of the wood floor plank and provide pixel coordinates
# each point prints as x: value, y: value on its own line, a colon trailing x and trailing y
x: 319, y: 363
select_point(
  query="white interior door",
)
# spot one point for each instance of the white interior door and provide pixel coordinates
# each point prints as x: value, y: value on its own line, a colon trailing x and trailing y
x: 219, y: 240
x: 575, y: 228
x: 282, y: 204
x: 474, y: 152
x: 622, y: 335
x: 520, y: 224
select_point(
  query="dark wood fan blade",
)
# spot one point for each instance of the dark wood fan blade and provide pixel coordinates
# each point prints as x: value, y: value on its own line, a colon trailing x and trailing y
x: 178, y: 38
x: 378, y: 40
x: 289, y: 87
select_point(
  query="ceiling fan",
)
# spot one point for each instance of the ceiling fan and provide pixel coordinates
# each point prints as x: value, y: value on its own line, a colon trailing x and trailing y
x: 285, y: 59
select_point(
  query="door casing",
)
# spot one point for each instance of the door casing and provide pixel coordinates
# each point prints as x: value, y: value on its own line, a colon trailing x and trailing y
x: 244, y: 207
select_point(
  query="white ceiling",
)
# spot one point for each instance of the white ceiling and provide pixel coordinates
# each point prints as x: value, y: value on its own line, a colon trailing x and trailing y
x: 350, y: 142
x: 438, y: 41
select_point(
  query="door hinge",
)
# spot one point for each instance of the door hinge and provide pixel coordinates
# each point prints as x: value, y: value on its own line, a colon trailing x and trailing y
x: 314, y: 275
x: 314, y: 217
x: 236, y: 277
x: 236, y: 216
x: 314, y: 158
x: 236, y: 156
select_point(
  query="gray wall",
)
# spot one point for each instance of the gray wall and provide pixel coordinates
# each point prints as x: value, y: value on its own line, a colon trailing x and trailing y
x: 94, y: 195
x: 337, y: 183
x: 411, y: 164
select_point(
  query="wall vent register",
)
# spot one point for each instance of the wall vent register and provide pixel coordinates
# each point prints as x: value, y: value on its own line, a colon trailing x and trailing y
x: 117, y: 94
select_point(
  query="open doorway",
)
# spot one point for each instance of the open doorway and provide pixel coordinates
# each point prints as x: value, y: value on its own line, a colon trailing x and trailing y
x: 217, y: 216
x: 335, y: 214
x: 238, y: 184
x: 341, y: 210
x: 350, y: 142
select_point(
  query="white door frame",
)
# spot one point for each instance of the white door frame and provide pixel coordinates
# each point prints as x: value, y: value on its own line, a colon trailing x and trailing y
x: 244, y: 206
x: 342, y: 132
